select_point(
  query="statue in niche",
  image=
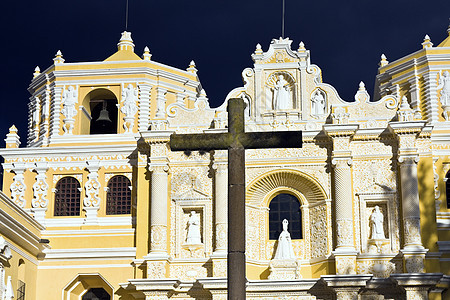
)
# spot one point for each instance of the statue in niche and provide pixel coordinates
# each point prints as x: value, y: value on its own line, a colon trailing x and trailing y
x: 193, y: 231
x: 282, y: 97
x: 318, y: 104
x: 70, y: 98
x: 444, y: 84
x: 376, y: 223
x: 130, y: 97
x: 284, y: 248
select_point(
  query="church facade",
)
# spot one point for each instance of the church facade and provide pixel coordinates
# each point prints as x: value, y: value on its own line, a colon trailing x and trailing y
x: 97, y: 206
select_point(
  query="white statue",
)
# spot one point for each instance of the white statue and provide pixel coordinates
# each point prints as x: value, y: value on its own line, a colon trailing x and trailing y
x: 70, y: 98
x: 318, y: 103
x: 193, y: 232
x: 282, y: 97
x: 444, y: 84
x: 376, y: 222
x: 130, y: 97
x: 247, y: 106
x: 284, y: 248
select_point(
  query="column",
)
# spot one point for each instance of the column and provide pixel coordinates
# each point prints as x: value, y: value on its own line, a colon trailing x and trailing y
x: 157, y: 258
x: 158, y: 208
x: 408, y: 157
x: 219, y: 257
x: 345, y: 251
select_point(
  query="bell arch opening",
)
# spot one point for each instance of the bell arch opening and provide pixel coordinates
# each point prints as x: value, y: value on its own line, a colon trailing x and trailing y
x: 100, y: 113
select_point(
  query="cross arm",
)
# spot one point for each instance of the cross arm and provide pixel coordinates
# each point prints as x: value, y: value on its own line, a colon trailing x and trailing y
x: 280, y: 139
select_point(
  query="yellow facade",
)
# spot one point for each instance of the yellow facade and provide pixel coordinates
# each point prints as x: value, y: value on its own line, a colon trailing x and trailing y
x: 91, y: 124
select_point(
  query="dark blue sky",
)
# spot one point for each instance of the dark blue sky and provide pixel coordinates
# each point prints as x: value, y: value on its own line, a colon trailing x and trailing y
x: 346, y: 38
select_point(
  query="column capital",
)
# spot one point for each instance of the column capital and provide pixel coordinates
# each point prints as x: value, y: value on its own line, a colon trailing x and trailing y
x: 158, y: 167
x: 342, y: 161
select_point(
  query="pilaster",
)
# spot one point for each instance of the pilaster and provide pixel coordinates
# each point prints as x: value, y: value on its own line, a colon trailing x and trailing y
x: 408, y: 157
x: 158, y: 258
x: 18, y: 186
x: 144, y: 106
x: 91, y: 202
x: 345, y: 251
x: 39, y: 203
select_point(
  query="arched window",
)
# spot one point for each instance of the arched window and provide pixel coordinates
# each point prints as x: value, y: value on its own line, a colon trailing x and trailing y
x: 21, y: 280
x: 100, y: 113
x: 118, y: 197
x: 96, y: 294
x: 67, y: 197
x: 285, y: 206
x: 447, y: 188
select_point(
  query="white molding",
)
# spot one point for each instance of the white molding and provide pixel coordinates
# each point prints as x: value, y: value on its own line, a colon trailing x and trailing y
x: 60, y: 267
x: 23, y: 254
x: 90, y: 253
x: 88, y: 232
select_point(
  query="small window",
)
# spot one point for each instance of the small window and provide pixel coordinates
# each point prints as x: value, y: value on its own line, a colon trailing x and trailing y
x: 96, y: 294
x: 285, y: 206
x: 118, y: 197
x: 447, y: 189
x: 21, y: 290
x: 67, y: 197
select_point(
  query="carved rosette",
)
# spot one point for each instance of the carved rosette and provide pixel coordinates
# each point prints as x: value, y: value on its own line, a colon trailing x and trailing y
x: 414, y: 264
x: 412, y: 231
x: 345, y: 232
x: 158, y: 238
x: 40, y: 187
x: 92, y: 186
x: 18, y: 186
x: 345, y: 265
x: 221, y: 236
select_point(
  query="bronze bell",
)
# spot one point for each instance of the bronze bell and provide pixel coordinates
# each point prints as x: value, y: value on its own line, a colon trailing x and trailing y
x: 104, y: 114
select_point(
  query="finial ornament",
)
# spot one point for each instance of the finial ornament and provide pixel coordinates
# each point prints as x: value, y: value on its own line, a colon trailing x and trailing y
x: 147, y: 55
x: 383, y: 61
x: 126, y: 42
x: 58, y: 58
x: 427, y: 42
x: 37, y: 71
x: 362, y: 86
x: 258, y: 49
x: 192, y: 69
x: 301, y: 47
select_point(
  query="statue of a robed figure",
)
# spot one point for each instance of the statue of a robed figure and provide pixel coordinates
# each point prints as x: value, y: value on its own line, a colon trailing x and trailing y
x: 284, y: 265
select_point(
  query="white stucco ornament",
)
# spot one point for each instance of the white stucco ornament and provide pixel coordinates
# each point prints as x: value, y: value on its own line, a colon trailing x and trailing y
x: 129, y: 107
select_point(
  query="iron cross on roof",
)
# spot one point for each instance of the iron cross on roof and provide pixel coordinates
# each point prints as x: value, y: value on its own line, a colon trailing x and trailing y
x: 236, y: 140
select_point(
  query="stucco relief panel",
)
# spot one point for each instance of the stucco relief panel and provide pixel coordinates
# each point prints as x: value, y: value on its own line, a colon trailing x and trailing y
x: 188, y: 178
x: 374, y: 173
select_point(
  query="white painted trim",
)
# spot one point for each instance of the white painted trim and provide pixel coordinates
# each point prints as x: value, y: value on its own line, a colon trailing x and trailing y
x: 23, y: 254
x: 91, y: 253
x: 59, y: 267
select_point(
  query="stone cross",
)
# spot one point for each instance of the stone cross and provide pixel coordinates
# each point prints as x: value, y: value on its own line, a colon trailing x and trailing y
x: 236, y: 140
